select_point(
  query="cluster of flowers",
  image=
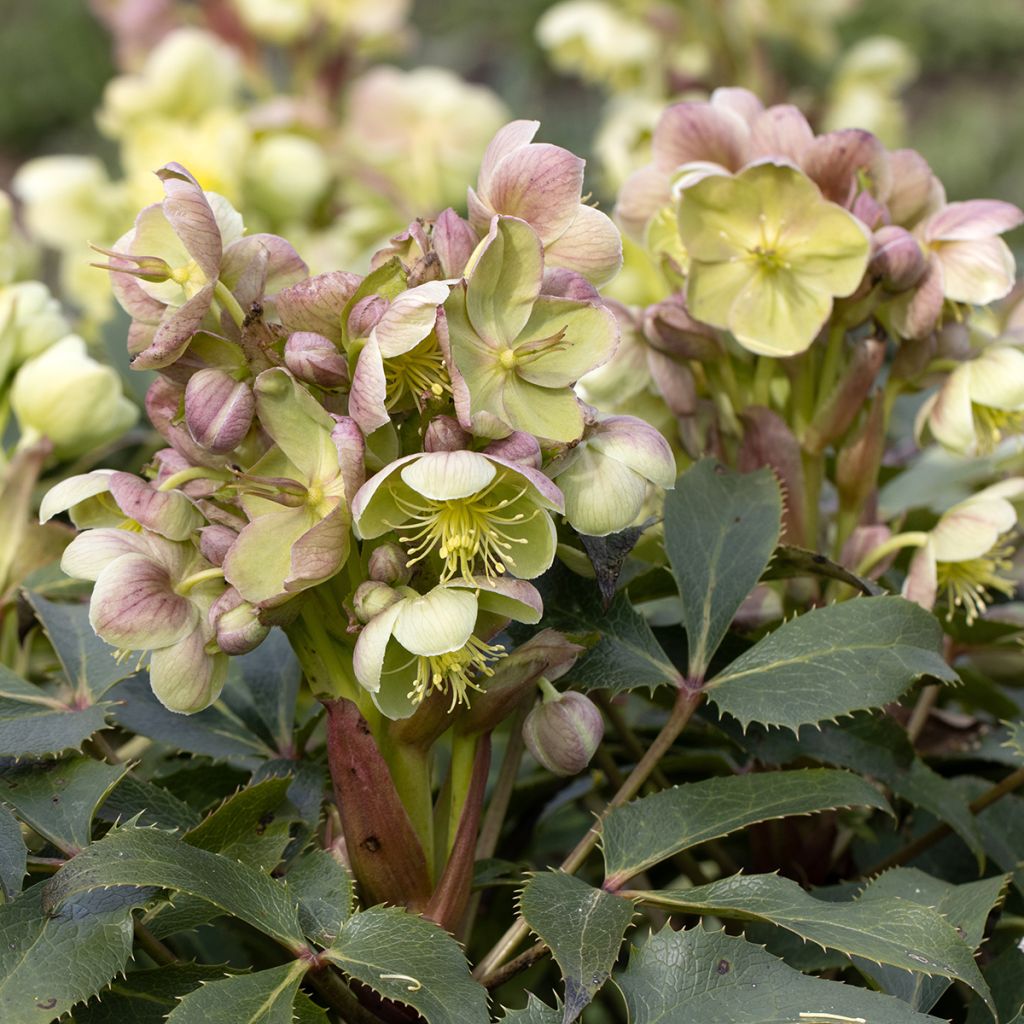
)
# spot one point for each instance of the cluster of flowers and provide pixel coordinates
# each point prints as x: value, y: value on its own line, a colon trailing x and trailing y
x: 375, y: 463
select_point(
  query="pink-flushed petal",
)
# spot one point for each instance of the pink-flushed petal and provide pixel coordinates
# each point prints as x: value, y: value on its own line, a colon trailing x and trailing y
x: 175, y: 332
x: 140, y: 337
x: 189, y: 213
x: 409, y: 318
x: 372, y: 645
x: 971, y: 529
x: 71, y: 491
x: 915, y: 313
x: 915, y: 192
x: 638, y: 445
x: 168, y: 513
x: 591, y: 246
x: 780, y: 131
x: 977, y: 271
x: 215, y: 542
x: 218, y: 410
x: 317, y: 303
x: 922, y: 585
x: 974, y: 219
x: 163, y: 404
x: 184, y: 678
x: 513, y: 136
x: 540, y: 184
x: 134, y: 605
x: 550, y: 495
x: 437, y: 622
x: 562, y: 283
x: 741, y: 102
x: 836, y: 161
x: 92, y: 551
x: 480, y: 213
x: 454, y: 241
x: 367, y: 401
x: 511, y: 598
x: 320, y: 552
x: 949, y: 415
x: 348, y: 439
x: 284, y: 267
x: 641, y: 196
x: 697, y: 132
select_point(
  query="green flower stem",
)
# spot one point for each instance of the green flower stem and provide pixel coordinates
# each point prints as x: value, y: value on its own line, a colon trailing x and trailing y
x: 410, y: 766
x: 912, y: 539
x: 764, y: 371
x: 229, y: 303
x: 183, y: 476
x: 214, y: 573
x: 830, y: 364
x: 814, y: 476
x: 460, y: 779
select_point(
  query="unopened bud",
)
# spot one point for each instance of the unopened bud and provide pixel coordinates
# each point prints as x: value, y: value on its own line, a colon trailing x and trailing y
x: 896, y: 258
x: 218, y: 410
x: 215, y: 542
x: 237, y: 623
x: 365, y: 315
x: 443, y: 434
x: 371, y: 598
x: 389, y: 564
x: 518, y: 447
x: 563, y: 731
x: 670, y: 328
x: 316, y: 360
x: 858, y: 461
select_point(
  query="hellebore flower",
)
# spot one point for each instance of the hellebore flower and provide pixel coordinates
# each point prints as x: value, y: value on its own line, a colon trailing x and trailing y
x: 543, y: 185
x: 30, y: 322
x: 427, y: 642
x: 605, y: 477
x: 979, y: 402
x: 480, y: 514
x: 296, y: 496
x: 520, y: 352
x: 967, y: 554
x: 154, y: 595
x: 402, y: 360
x: 767, y: 256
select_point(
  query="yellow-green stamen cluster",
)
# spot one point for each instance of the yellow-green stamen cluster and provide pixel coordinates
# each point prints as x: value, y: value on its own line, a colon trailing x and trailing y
x: 969, y: 584
x: 454, y: 671
x: 416, y: 374
x: 992, y: 425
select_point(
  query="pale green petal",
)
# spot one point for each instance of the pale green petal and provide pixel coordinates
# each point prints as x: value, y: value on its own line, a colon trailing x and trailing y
x: 446, y: 476
x: 91, y: 552
x: 638, y: 445
x: 546, y: 412
x: 409, y: 318
x: 719, y: 217
x: 712, y: 288
x: 776, y: 315
x: 589, y: 336
x: 950, y: 417
x: 437, y: 622
x: 260, y: 561
x: 368, y: 657
x: 977, y: 271
x: 321, y: 551
x: 511, y: 599
x: 397, y: 675
x: 75, y: 489
x: 832, y: 254
x: 997, y: 378
x: 971, y: 529
x: 602, y: 495
x: 184, y: 678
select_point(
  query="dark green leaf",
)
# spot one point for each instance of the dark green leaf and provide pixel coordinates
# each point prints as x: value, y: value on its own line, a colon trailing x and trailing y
x: 325, y: 894
x: 265, y: 997
x: 147, y: 856
x: 33, y: 723
x: 307, y: 1012
x: 789, y: 562
x: 844, y: 658
x: 1005, y: 975
x: 648, y: 830
x: 409, y: 960
x: 51, y: 961
x: 721, y: 528
x: 701, y: 977
x: 148, y: 804
x: 535, y: 1012
x: 88, y: 662
x: 582, y: 926
x: 608, y: 554
x: 12, y: 855
x: 58, y: 798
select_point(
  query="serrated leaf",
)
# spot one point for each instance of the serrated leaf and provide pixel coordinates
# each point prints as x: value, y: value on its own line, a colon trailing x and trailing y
x: 608, y: 555
x: 305, y: 1011
x: 626, y: 656
x: 1015, y: 740
x: 964, y: 907
x: 1005, y: 975
x: 535, y: 1012
x: 655, y: 827
x: 410, y: 960
x: 148, y: 804
x: 33, y: 723
x: 883, y: 928
x: 88, y: 662
x: 13, y: 855
x: 705, y: 977
x: 214, y: 732
x: 790, y: 562
x: 325, y: 895
x: 721, y: 528
x: 847, y: 657
x: 582, y: 926
x: 265, y: 997
x: 59, y: 798
x: 146, y: 996
x: 51, y: 961
x: 149, y: 857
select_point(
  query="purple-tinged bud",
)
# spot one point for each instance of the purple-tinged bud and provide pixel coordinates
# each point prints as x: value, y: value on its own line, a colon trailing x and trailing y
x: 562, y: 283
x: 371, y: 598
x: 454, y: 241
x: 215, y: 542
x: 389, y: 564
x: 857, y: 461
x: 365, y: 315
x: 563, y: 731
x: 669, y: 327
x: 518, y: 447
x: 237, y: 623
x: 769, y: 441
x: 444, y: 434
x: 861, y: 542
x: 953, y: 341
x: 896, y: 258
x: 869, y: 211
x: 316, y: 360
x: 218, y: 410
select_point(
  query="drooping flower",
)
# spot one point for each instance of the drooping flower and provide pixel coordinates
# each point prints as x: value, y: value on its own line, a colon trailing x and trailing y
x: 518, y: 351
x: 430, y: 642
x: 480, y: 515
x: 768, y: 254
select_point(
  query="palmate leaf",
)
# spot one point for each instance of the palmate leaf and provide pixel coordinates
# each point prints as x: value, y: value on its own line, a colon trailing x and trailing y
x: 148, y: 804
x: 705, y: 977
x: 582, y: 926
x: 721, y: 528
x: 410, y: 960
x: 655, y: 827
x: 265, y: 997
x: 49, y: 961
x: 884, y: 928
x: 325, y: 895
x: 148, y: 857
x: 847, y: 657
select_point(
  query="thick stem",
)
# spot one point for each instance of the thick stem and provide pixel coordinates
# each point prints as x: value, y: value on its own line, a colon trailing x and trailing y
x: 913, y: 539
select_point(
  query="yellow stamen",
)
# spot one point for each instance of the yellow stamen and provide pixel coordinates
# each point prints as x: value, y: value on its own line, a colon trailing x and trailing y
x: 417, y: 375
x: 969, y: 584
x: 454, y: 671
x: 992, y: 425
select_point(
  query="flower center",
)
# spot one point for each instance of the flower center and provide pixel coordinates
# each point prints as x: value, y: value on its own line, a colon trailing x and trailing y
x: 463, y: 531
x: 992, y: 425
x: 419, y: 375
x: 454, y: 671
x: 969, y: 584
x: 768, y: 254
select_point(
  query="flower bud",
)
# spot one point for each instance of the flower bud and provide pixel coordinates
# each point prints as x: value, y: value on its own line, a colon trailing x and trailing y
x: 218, y: 410
x: 30, y: 321
x: 287, y: 174
x: 518, y: 447
x: 365, y: 315
x: 670, y: 328
x: 389, y: 564
x: 857, y: 462
x: 563, y: 731
x: 443, y: 434
x: 215, y: 542
x: 237, y: 623
x: 371, y: 598
x: 896, y: 258
x: 314, y: 359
